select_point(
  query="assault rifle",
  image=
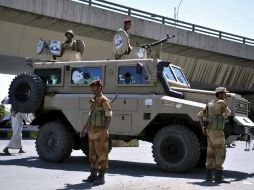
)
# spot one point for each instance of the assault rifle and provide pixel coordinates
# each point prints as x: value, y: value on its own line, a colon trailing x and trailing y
x: 146, y: 46
x: 205, y: 119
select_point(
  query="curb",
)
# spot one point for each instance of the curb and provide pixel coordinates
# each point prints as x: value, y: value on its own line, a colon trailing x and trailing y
x: 121, y: 143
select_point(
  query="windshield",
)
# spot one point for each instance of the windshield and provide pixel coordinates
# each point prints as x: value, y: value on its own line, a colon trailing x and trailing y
x: 180, y: 76
x: 169, y: 74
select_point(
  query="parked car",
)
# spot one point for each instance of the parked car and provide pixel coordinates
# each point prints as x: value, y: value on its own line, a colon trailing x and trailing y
x: 6, y: 121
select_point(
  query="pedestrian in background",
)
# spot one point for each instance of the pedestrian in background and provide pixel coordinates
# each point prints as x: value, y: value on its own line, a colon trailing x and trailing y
x: 16, y: 124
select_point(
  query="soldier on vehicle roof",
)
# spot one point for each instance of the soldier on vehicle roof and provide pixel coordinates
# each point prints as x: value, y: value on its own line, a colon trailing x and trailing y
x: 70, y: 43
x: 97, y: 128
x: 125, y: 29
x: 215, y: 113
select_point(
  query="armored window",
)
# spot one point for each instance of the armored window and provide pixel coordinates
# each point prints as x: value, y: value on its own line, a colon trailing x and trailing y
x: 129, y: 75
x: 169, y: 74
x: 85, y: 75
x: 50, y: 76
x: 180, y: 76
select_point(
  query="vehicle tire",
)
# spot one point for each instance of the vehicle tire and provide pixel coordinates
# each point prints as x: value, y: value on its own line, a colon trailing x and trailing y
x: 54, y: 142
x: 85, y: 146
x: 176, y: 149
x: 26, y: 93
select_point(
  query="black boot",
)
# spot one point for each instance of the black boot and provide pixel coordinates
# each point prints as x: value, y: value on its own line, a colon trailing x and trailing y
x: 219, y: 177
x: 100, y: 179
x: 6, y: 151
x: 92, y: 177
x: 21, y: 150
x: 209, y: 175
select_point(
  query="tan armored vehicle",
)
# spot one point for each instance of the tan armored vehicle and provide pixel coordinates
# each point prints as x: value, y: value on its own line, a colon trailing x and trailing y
x: 152, y: 101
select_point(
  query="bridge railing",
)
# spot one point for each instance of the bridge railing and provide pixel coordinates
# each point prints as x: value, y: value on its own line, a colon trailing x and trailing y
x: 166, y: 20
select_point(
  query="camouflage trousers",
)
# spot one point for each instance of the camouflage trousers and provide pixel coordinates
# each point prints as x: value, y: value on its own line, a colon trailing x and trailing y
x: 216, y: 149
x: 98, y: 148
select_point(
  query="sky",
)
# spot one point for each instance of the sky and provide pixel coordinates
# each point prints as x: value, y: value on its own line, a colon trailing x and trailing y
x: 232, y: 16
x: 4, y: 85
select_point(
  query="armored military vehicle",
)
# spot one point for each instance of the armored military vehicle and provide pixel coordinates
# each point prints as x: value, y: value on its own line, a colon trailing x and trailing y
x: 153, y: 102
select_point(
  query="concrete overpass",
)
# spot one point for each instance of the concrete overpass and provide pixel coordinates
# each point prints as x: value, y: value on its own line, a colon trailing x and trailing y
x: 208, y: 57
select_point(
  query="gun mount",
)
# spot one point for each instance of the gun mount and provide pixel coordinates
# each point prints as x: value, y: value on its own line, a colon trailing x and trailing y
x: 121, y: 45
x: 147, y: 46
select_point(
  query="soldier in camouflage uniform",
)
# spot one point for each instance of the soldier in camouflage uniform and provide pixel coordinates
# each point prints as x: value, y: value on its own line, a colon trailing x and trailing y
x: 215, y: 113
x: 97, y: 127
x: 70, y: 43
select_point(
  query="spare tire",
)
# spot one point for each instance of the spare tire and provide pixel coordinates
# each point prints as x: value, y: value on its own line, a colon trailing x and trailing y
x: 26, y: 93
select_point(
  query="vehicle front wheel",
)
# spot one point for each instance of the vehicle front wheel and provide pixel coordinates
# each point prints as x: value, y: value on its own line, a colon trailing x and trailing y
x: 176, y: 149
x: 54, y: 142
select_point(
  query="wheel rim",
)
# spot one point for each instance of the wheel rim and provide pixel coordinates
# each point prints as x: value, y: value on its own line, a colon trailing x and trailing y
x: 51, y: 142
x: 23, y: 92
x: 172, y: 150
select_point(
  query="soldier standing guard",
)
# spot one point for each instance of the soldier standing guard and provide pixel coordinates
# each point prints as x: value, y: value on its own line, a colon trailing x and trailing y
x: 97, y: 127
x: 70, y: 43
x: 126, y: 28
x: 215, y: 113
x: 126, y: 49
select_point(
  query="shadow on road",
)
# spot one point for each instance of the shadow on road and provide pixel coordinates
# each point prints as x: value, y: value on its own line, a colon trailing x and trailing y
x: 230, y: 176
x: 79, y: 163
x: 78, y: 186
x: 117, y: 167
x: 3, y: 154
x: 120, y: 167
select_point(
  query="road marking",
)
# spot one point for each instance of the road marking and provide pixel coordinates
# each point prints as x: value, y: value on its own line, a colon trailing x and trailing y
x: 247, y: 183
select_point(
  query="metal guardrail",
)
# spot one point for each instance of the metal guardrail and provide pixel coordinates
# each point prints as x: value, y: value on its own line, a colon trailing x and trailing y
x: 166, y: 21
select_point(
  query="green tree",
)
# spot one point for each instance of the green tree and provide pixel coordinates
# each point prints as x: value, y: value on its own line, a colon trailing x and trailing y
x: 2, y: 111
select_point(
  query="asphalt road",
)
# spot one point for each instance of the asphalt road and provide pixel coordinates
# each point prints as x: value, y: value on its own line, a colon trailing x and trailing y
x: 130, y: 168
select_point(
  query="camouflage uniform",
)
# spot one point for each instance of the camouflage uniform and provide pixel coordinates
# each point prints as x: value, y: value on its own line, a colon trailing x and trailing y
x: 98, y: 136
x: 216, y: 149
x: 216, y: 112
x: 72, y: 45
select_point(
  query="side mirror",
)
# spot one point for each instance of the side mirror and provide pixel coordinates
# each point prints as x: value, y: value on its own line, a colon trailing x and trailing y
x: 139, y: 68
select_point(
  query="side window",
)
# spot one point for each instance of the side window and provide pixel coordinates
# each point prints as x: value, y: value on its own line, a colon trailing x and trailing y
x: 169, y: 74
x: 85, y: 75
x: 50, y: 76
x: 129, y: 75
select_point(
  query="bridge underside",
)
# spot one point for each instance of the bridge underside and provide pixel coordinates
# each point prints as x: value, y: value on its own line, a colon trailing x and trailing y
x: 204, y: 69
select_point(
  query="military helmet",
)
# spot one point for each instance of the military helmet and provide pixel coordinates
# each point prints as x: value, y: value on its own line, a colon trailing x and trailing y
x: 220, y: 89
x: 69, y: 32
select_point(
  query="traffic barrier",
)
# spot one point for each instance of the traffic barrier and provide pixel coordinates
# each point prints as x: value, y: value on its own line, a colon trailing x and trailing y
x: 28, y: 132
